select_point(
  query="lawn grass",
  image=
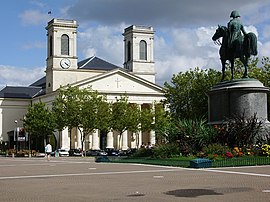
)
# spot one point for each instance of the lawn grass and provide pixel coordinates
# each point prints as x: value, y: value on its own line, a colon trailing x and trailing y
x: 185, y: 161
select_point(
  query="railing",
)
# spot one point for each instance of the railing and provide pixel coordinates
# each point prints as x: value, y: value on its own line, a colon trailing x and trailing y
x: 248, y: 161
x: 230, y: 162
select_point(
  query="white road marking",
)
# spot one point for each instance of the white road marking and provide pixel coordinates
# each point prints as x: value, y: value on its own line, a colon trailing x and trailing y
x: 159, y: 176
x: 238, y: 173
x: 87, y: 174
x: 44, y: 164
x: 266, y: 191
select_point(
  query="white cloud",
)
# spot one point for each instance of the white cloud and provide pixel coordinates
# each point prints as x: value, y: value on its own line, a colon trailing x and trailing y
x: 179, y: 51
x: 103, y: 41
x: 19, y: 76
x: 185, y: 49
x: 266, y: 32
x: 36, y: 44
x: 34, y: 17
x: 37, y: 3
x: 264, y: 49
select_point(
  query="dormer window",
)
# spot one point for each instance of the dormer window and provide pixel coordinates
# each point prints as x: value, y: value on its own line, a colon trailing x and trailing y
x: 64, y: 44
x: 143, y: 50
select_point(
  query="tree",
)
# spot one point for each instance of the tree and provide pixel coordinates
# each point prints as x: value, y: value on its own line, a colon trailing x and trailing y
x: 162, y: 121
x: 39, y: 120
x: 66, y: 109
x: 147, y: 120
x: 94, y: 113
x: 186, y: 95
x: 104, y: 115
x: 125, y: 116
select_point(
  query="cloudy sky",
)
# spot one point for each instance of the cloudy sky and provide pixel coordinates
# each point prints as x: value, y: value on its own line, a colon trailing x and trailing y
x: 183, y: 31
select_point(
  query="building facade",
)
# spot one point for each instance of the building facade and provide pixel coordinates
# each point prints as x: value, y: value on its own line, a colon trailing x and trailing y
x: 136, y: 80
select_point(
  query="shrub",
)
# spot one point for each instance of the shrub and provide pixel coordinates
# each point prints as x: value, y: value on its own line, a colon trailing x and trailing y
x: 266, y: 150
x: 215, y: 149
x: 240, y: 131
x: 194, y: 134
x: 143, y: 152
x: 166, y: 151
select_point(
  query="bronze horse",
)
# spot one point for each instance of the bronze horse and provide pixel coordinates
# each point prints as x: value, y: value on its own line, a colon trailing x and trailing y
x: 248, y: 47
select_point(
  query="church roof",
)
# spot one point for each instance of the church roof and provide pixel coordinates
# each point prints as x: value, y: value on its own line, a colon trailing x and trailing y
x: 92, y: 63
x: 40, y: 83
x: 95, y: 63
x: 20, y: 92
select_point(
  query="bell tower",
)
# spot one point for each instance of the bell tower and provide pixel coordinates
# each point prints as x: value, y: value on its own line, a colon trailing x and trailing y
x: 139, y: 51
x: 61, y: 51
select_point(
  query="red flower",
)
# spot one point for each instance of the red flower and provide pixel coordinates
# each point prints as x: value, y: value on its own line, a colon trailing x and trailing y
x: 229, y: 154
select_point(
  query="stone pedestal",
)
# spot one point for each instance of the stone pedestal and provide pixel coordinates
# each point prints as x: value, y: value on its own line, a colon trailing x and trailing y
x: 235, y: 98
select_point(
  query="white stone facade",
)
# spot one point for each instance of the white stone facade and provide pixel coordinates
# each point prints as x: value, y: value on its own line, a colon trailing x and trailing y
x: 136, y: 80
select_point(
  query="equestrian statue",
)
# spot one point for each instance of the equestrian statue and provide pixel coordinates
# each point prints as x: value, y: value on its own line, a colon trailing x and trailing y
x: 236, y: 43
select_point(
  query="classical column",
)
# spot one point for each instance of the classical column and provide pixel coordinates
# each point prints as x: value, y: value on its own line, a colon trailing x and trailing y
x: 79, y: 140
x: 110, y: 140
x: 65, y: 140
x: 152, y: 137
x: 139, y: 134
x: 125, y: 140
x: 134, y: 140
x: 95, y: 140
x: 139, y: 138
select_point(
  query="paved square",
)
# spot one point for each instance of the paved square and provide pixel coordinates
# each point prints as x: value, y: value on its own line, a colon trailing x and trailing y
x: 81, y: 179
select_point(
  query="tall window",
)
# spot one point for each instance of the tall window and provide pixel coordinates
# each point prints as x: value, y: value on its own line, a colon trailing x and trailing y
x: 143, y: 50
x: 64, y: 45
x: 129, y: 51
x: 50, y: 46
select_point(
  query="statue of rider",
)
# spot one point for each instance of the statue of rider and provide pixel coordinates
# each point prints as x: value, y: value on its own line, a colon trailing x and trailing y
x: 236, y: 29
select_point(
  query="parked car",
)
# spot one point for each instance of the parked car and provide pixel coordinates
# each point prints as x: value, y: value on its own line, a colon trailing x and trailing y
x: 127, y: 152
x: 75, y: 152
x: 95, y: 153
x: 112, y: 152
x: 61, y: 152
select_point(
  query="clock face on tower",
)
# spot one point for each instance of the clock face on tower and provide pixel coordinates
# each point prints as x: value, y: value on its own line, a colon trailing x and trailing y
x: 65, y: 63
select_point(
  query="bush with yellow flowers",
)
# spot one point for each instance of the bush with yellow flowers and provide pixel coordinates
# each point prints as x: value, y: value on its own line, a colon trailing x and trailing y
x: 266, y: 150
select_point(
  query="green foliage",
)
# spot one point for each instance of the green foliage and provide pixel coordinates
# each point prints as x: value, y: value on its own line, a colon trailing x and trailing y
x: 240, y: 131
x: 186, y: 95
x: 215, y: 149
x: 125, y: 116
x: 89, y: 106
x: 146, y: 119
x: 166, y: 150
x: 104, y: 115
x: 65, y: 107
x: 143, y: 152
x: 162, y: 120
x: 82, y: 108
x: 39, y: 121
x: 193, y: 135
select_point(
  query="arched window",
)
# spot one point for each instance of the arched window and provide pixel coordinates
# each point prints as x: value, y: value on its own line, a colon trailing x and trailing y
x: 64, y: 45
x: 129, y: 51
x: 50, y: 46
x: 143, y: 50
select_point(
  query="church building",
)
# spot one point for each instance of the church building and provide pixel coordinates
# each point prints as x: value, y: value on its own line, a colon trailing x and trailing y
x: 136, y: 79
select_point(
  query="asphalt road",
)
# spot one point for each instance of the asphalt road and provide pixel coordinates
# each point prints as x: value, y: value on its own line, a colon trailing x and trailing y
x: 81, y: 179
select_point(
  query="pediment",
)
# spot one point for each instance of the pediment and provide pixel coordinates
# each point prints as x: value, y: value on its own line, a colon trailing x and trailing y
x: 119, y: 81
